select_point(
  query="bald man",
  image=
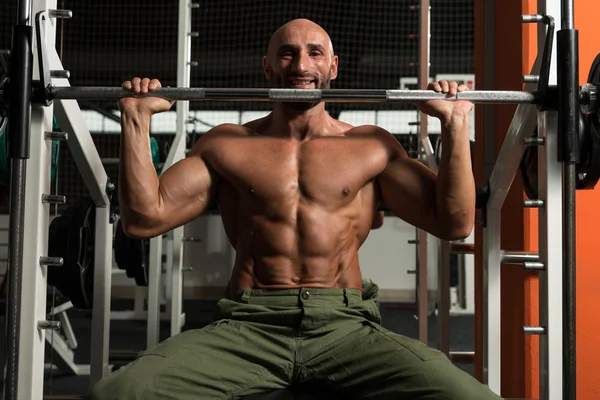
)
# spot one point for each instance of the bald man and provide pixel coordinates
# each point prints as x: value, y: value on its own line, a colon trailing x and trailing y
x: 298, y: 192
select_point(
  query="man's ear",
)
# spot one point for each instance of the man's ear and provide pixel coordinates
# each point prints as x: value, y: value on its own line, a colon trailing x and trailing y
x: 267, y: 68
x: 334, y: 67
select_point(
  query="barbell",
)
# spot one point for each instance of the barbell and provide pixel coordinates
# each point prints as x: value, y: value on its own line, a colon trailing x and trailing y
x: 298, y: 95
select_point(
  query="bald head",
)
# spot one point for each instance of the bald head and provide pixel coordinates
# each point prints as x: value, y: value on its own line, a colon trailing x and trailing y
x: 300, y: 56
x: 300, y: 29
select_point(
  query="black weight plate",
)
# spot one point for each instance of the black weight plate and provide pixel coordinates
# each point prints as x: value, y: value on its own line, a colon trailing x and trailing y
x: 58, y: 246
x: 121, y: 246
x: 529, y: 170
x: 141, y: 274
x: 132, y: 255
x: 588, y: 168
x: 72, y: 237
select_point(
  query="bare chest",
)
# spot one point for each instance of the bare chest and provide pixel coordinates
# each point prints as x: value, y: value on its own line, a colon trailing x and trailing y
x: 322, y: 170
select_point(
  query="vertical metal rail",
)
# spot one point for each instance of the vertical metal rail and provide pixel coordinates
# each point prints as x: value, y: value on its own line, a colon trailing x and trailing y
x: 20, y: 120
x: 423, y: 79
x: 184, y: 60
x: 568, y: 125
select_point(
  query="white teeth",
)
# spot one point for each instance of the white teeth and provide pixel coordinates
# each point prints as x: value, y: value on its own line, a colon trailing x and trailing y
x: 302, y: 82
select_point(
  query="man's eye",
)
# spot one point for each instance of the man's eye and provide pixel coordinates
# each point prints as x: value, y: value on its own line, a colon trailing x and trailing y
x: 315, y: 53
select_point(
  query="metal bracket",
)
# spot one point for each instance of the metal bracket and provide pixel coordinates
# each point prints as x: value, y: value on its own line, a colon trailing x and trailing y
x: 42, y: 93
x: 111, y: 193
x: 548, y: 95
x: 44, y: 68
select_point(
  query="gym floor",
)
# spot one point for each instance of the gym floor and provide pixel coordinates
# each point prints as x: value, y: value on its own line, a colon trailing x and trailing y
x: 130, y: 337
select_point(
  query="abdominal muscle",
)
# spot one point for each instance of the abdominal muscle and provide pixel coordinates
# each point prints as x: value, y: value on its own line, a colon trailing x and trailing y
x: 314, y: 249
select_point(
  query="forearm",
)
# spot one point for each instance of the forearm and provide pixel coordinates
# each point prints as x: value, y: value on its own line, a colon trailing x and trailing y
x: 138, y: 181
x: 455, y: 187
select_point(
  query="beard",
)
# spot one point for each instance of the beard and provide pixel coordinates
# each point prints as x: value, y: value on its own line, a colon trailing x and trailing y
x: 281, y: 82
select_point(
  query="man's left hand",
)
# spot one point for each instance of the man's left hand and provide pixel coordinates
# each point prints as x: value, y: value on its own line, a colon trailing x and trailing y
x: 444, y: 109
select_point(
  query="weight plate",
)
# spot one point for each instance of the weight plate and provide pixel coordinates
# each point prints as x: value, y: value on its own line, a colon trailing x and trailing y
x: 72, y: 237
x: 529, y: 170
x: 588, y: 168
x: 141, y: 273
x: 4, y: 163
x: 132, y: 255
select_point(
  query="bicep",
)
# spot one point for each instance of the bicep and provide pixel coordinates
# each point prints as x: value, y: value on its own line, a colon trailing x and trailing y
x: 186, y: 190
x: 407, y: 188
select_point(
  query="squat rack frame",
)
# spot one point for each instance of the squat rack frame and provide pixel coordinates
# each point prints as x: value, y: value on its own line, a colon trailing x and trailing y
x: 30, y: 213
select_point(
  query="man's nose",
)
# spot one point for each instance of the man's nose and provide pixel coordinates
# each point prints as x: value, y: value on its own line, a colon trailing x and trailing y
x: 301, y: 64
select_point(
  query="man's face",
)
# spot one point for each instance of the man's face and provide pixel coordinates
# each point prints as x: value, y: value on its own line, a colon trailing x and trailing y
x: 301, y: 58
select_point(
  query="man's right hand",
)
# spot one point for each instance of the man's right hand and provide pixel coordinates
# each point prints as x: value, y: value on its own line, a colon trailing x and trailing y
x: 147, y: 105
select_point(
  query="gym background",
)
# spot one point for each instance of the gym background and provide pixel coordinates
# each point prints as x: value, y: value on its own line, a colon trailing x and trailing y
x: 109, y: 41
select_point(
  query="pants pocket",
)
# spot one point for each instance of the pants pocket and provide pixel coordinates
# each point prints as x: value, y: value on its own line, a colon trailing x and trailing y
x: 416, y: 347
x: 175, y: 344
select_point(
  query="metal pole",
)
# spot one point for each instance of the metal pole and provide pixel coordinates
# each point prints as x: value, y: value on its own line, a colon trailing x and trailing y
x: 184, y: 54
x: 24, y: 12
x: 423, y: 79
x: 444, y: 297
x: 20, y: 119
x: 568, y: 123
x: 568, y: 15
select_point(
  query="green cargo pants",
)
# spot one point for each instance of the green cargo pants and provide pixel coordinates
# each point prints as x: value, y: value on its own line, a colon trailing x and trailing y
x: 265, y: 340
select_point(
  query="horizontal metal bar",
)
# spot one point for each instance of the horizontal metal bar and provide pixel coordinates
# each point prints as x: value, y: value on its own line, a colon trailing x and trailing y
x: 110, y: 160
x: 462, y: 357
x: 51, y: 325
x: 534, y: 330
x: 533, y: 203
x: 52, y: 261
x: 462, y: 248
x: 533, y: 266
x: 532, y: 18
x: 533, y: 141
x: 329, y: 95
x: 530, y: 78
x: 519, y: 257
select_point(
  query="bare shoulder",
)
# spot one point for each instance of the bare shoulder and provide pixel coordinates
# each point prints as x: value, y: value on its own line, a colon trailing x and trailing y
x: 217, y: 134
x: 381, y: 137
x: 227, y: 130
x: 373, y: 131
x: 376, y: 133
x: 255, y: 125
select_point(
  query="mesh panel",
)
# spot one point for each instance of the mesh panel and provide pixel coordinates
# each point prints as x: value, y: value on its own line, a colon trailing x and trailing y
x: 452, y: 37
x: 8, y: 17
x: 376, y: 40
x: 371, y: 38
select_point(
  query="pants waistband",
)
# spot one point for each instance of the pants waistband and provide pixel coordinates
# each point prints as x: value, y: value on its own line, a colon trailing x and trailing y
x: 298, y: 296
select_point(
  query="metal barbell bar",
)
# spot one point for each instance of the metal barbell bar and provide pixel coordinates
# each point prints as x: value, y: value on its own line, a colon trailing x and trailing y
x: 328, y: 95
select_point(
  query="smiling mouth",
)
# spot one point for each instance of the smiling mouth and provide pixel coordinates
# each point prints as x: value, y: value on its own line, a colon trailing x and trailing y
x: 302, y: 83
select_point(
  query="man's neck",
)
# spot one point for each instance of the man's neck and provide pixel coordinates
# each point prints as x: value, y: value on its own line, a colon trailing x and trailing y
x: 299, y: 124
